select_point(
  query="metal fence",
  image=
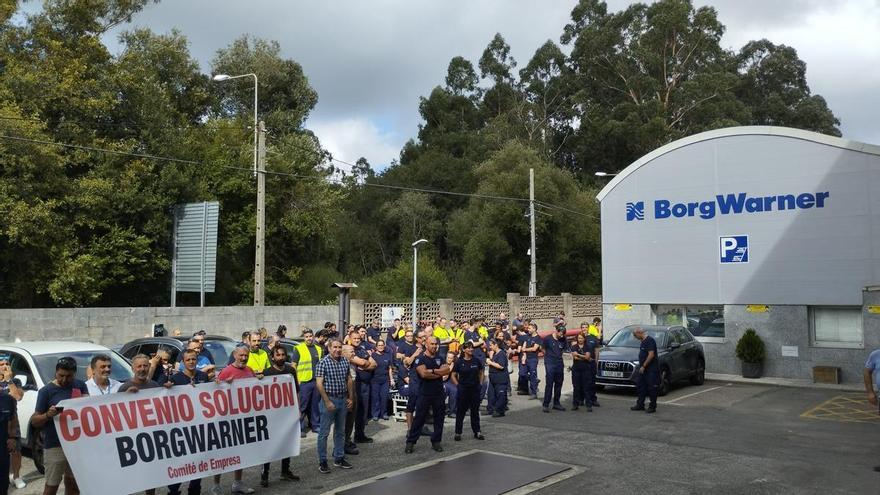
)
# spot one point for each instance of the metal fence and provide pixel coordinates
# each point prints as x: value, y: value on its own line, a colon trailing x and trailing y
x: 539, y: 307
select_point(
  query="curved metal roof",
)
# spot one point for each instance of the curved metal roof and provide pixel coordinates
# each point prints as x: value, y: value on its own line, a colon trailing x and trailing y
x: 738, y: 131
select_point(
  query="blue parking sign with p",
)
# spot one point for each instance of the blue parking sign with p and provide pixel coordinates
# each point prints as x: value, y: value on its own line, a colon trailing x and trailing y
x: 735, y: 249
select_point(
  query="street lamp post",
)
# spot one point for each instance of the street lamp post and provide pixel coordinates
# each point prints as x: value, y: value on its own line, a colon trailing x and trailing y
x: 224, y: 77
x: 259, y: 145
x: 415, y: 246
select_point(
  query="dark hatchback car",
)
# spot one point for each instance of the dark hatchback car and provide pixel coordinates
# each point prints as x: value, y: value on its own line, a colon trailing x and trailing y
x: 681, y: 357
x: 219, y: 347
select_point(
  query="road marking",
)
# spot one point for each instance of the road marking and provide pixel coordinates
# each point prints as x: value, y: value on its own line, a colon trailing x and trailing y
x: 851, y: 408
x: 694, y: 394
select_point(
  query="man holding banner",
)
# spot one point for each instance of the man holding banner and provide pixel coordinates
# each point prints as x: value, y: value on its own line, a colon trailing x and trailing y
x: 189, y: 376
x: 239, y: 369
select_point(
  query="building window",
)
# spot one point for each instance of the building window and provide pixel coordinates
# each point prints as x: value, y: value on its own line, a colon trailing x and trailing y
x: 701, y: 321
x: 836, y: 327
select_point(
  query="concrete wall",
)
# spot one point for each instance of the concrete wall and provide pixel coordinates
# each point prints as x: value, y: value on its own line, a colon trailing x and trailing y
x: 779, y: 326
x: 108, y: 326
x: 614, y: 319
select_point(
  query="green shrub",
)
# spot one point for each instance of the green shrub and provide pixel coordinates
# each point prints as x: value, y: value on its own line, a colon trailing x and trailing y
x: 750, y: 348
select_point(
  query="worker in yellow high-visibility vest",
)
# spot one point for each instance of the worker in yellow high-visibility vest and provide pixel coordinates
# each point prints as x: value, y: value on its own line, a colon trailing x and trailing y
x: 304, y: 358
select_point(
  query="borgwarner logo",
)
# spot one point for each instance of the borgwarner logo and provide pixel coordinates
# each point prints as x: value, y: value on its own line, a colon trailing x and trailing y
x: 635, y: 211
x: 728, y: 204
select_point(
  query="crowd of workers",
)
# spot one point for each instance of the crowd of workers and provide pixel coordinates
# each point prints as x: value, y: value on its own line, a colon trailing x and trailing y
x: 443, y: 369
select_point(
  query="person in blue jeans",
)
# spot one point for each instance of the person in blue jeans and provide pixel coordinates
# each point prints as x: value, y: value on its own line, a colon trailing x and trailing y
x: 336, y: 388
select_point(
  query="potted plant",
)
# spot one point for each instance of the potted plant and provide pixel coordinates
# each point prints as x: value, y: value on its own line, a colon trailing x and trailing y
x: 750, y: 350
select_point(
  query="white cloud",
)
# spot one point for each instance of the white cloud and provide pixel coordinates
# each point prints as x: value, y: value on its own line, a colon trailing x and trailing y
x: 370, y: 61
x: 840, y: 43
x: 351, y: 138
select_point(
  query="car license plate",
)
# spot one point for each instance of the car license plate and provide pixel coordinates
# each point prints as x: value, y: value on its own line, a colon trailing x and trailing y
x: 613, y: 374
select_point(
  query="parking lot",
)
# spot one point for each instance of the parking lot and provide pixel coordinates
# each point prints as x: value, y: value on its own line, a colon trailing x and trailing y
x: 723, y: 437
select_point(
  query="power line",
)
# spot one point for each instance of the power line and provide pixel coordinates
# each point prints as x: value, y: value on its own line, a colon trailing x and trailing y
x: 100, y: 150
x: 122, y: 125
x: 286, y: 174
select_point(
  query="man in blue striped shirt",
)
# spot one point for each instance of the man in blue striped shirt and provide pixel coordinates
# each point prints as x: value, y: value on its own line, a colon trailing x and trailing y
x: 334, y: 384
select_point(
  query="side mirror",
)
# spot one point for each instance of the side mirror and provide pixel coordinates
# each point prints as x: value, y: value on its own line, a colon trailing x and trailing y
x: 674, y: 345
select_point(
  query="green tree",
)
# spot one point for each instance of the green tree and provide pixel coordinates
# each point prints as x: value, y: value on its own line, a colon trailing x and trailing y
x: 774, y: 87
x: 395, y: 284
x: 492, y: 237
x: 647, y: 75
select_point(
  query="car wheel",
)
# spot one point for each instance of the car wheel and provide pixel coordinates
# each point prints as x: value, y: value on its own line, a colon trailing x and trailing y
x: 665, y: 384
x: 700, y: 375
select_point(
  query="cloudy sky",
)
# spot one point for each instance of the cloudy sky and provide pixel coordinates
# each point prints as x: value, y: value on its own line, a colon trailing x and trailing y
x: 371, y: 60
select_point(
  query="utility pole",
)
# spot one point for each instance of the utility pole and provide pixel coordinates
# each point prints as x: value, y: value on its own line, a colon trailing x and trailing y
x: 533, y: 280
x: 260, y: 255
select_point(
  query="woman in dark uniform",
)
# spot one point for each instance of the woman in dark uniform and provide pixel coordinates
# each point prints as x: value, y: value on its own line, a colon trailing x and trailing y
x: 580, y: 374
x: 379, y: 385
x: 468, y: 375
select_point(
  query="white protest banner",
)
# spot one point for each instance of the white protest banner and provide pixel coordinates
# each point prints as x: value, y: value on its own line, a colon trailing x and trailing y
x: 389, y: 315
x: 156, y: 437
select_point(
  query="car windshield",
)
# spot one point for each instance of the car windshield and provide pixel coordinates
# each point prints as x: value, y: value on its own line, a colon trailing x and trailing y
x: 119, y: 370
x: 625, y: 338
x: 220, y: 350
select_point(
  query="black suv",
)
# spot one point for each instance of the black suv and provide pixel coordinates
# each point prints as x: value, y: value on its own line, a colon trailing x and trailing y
x: 219, y: 347
x: 681, y: 357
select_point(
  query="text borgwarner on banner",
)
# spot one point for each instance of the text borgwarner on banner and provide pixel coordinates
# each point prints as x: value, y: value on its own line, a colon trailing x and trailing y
x: 160, y: 436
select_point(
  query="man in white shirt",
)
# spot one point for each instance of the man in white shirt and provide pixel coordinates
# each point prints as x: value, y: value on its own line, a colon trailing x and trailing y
x: 100, y: 383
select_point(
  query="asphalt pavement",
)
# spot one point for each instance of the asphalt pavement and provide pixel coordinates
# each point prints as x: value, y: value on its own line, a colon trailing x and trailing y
x: 720, y: 438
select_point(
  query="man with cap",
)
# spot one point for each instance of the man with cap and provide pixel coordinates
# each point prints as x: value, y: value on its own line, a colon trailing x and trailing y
x: 554, y: 346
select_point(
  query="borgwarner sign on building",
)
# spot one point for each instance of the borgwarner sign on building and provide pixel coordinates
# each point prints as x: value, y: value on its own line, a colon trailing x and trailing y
x: 740, y: 216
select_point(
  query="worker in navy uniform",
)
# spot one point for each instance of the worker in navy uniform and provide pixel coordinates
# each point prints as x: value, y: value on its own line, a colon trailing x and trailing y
x: 190, y: 376
x: 522, y: 383
x: 472, y: 335
x: 381, y: 382
x: 450, y: 388
x: 467, y: 375
x: 531, y: 348
x: 364, y: 366
x: 431, y: 370
x: 648, y: 372
x: 581, y: 370
x: 8, y: 431
x: 554, y: 345
x: 413, y: 382
x: 498, y: 376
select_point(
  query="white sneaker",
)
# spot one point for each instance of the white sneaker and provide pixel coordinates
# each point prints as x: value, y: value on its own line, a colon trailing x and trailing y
x: 216, y: 490
x: 19, y: 483
x: 238, y: 487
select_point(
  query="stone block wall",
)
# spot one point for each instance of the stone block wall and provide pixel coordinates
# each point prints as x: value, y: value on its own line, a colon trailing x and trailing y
x: 109, y: 326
